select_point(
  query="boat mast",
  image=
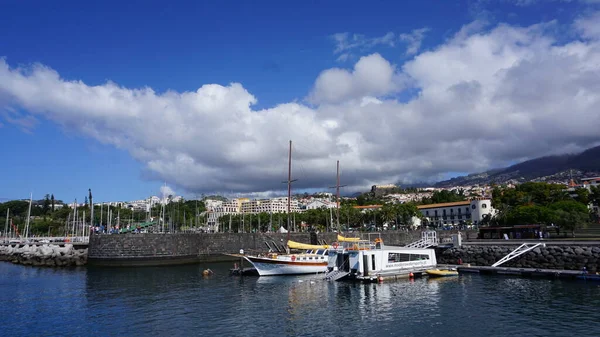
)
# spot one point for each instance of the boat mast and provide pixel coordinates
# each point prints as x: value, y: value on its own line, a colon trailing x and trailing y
x: 289, y: 200
x: 6, y: 225
x: 337, y: 196
x: 289, y: 185
x: 92, y: 207
x: 28, y: 216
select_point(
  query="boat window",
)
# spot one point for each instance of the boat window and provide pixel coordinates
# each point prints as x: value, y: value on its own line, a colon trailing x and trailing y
x: 398, y: 257
x: 402, y: 257
x: 320, y: 252
x: 417, y: 257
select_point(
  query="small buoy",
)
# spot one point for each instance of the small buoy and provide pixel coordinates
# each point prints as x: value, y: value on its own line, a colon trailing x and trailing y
x: 380, y: 279
x: 411, y: 275
x: 300, y: 281
x: 207, y: 272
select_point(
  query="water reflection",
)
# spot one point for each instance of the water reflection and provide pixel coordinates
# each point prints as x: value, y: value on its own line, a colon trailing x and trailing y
x: 179, y: 301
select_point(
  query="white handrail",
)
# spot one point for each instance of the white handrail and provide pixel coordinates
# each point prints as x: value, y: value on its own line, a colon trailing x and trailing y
x: 522, y: 249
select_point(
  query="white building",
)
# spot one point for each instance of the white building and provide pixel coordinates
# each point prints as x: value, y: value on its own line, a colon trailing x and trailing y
x: 275, y: 205
x: 318, y: 204
x: 217, y: 208
x: 454, y: 213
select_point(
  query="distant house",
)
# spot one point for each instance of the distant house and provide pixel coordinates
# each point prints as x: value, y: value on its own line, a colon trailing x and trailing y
x: 318, y: 204
x: 381, y: 190
x: 454, y: 213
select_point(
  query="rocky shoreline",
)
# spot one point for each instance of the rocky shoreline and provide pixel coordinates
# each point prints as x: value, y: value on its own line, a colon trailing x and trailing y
x: 44, y: 255
x: 550, y: 257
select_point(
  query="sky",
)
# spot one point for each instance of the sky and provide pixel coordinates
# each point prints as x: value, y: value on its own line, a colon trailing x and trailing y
x: 138, y: 98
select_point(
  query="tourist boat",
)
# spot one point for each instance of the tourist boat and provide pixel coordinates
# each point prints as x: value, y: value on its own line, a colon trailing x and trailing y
x: 371, y: 260
x: 312, y: 260
x: 441, y: 272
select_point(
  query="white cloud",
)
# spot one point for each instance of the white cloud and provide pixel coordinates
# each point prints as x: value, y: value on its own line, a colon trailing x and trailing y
x: 414, y: 40
x: 346, y: 43
x: 372, y: 75
x: 166, y: 191
x: 589, y: 25
x: 484, y: 98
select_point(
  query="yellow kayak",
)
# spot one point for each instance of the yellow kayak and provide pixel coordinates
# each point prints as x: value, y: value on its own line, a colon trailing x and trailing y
x: 441, y: 272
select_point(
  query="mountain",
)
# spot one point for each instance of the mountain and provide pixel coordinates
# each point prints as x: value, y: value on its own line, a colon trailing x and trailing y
x: 557, y: 168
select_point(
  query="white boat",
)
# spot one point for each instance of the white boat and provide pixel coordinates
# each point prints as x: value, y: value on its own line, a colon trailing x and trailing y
x: 311, y: 261
x: 367, y: 260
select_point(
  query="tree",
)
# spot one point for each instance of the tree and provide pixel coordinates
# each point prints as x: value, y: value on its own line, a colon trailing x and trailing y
x: 405, y: 213
x: 46, y: 206
x: 52, y: 202
x: 443, y: 196
x: 530, y: 214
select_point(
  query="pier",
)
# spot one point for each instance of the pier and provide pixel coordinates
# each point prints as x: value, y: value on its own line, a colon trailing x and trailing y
x: 526, y: 272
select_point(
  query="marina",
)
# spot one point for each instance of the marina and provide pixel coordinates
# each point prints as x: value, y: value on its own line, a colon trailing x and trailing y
x: 180, y: 300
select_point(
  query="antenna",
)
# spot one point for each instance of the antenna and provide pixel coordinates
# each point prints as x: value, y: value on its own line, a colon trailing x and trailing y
x: 337, y: 194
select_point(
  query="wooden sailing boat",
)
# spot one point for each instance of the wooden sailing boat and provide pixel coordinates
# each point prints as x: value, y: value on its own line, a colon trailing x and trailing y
x: 314, y: 260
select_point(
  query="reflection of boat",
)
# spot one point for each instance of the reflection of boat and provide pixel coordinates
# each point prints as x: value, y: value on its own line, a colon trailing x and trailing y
x: 441, y: 272
x: 366, y: 260
x: 310, y: 262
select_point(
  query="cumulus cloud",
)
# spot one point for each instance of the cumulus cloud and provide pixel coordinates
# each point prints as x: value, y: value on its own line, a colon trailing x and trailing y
x: 372, y: 75
x: 166, y: 191
x: 414, y: 40
x: 589, y: 25
x: 483, y: 99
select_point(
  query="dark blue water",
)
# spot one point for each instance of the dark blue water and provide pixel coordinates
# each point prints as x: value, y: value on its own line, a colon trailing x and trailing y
x: 178, y: 301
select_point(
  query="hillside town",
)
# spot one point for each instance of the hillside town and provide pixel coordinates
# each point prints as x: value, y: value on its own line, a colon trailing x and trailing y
x: 474, y: 207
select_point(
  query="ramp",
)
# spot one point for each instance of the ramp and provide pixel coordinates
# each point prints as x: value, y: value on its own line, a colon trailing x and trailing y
x: 335, y: 275
x: 522, y: 249
x: 428, y: 239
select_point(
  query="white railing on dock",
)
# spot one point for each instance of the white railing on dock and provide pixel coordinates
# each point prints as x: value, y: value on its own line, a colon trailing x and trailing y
x: 522, y: 249
x: 428, y: 239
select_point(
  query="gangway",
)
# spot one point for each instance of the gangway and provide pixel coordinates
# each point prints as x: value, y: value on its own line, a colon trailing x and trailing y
x: 428, y: 239
x: 522, y: 249
x: 335, y: 275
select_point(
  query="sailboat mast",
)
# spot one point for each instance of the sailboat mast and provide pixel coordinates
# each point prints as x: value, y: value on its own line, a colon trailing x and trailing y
x: 28, y: 216
x: 337, y: 201
x: 289, y: 200
x: 6, y: 225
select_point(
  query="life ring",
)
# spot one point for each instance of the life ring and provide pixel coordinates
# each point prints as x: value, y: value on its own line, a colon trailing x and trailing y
x: 293, y: 257
x: 335, y: 245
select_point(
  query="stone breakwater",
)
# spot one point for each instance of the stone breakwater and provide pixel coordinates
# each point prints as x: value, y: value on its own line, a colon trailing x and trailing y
x: 549, y: 257
x: 44, y: 255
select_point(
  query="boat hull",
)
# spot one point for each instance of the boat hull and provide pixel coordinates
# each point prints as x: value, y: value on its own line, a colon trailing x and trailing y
x: 441, y: 273
x: 271, y: 267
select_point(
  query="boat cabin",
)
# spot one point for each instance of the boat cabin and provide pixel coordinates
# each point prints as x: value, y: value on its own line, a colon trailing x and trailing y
x: 378, y: 260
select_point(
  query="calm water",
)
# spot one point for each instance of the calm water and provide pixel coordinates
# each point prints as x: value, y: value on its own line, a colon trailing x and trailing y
x: 178, y: 301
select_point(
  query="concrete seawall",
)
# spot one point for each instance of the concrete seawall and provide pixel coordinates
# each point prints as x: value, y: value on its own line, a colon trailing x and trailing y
x: 549, y: 257
x: 169, y: 249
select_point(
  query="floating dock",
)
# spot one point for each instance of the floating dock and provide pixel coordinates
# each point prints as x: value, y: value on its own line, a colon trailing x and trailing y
x: 529, y: 272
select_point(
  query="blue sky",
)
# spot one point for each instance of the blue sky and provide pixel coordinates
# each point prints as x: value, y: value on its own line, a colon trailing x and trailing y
x: 275, y: 49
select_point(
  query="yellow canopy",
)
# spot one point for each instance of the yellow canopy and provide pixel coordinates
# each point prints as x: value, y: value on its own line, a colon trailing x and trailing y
x: 343, y: 239
x: 299, y: 245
